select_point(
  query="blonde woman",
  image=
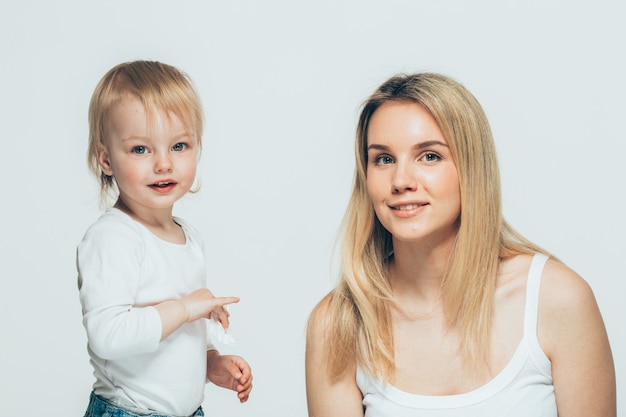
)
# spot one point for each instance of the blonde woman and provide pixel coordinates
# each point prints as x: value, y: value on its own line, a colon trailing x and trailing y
x: 442, y: 309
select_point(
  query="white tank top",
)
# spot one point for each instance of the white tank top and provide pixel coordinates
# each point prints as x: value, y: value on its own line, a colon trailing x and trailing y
x: 522, y: 389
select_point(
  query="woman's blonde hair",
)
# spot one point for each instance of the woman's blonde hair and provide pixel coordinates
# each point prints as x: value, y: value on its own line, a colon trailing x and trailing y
x: 160, y: 87
x: 360, y: 320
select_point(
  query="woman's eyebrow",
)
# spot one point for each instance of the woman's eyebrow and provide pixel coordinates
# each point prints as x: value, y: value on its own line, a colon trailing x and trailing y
x: 377, y: 146
x: 428, y: 143
x: 420, y: 145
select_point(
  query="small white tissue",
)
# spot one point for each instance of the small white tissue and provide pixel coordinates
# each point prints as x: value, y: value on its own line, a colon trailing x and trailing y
x: 218, y: 333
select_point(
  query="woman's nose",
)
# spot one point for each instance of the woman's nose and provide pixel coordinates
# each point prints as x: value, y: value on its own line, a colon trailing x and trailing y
x: 404, y: 178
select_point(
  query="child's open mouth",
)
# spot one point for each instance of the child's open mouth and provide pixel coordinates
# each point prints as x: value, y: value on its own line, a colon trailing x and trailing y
x: 163, y: 186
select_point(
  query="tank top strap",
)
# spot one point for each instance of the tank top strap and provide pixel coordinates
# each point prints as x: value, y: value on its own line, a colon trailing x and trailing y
x: 532, y: 296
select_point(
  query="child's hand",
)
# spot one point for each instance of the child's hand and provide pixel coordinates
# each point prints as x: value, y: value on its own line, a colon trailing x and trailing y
x: 231, y: 372
x: 201, y: 303
x: 191, y: 307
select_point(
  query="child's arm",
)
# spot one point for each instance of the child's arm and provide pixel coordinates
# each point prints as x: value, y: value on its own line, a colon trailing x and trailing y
x: 231, y: 372
x: 196, y: 305
x: 110, y: 266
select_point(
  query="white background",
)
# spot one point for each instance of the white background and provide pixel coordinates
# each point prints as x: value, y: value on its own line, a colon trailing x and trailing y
x: 281, y: 83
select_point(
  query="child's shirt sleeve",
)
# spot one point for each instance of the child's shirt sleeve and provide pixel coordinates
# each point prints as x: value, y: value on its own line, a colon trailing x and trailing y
x: 110, y: 262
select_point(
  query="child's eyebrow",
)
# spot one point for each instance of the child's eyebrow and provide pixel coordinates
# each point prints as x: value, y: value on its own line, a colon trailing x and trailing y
x: 135, y: 137
x: 183, y: 135
x: 175, y: 137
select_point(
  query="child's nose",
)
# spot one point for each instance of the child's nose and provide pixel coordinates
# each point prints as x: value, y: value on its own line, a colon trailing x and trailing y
x: 163, y: 163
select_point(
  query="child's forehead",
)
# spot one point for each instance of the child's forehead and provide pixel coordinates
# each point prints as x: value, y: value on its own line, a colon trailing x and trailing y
x: 130, y: 109
x: 129, y: 101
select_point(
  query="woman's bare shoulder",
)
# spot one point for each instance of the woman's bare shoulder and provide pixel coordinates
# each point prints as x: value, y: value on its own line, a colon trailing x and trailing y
x: 567, y: 307
x: 563, y: 291
x: 560, y: 285
x: 320, y: 315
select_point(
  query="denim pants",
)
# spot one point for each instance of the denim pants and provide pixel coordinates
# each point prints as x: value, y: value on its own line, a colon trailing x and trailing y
x: 99, y: 407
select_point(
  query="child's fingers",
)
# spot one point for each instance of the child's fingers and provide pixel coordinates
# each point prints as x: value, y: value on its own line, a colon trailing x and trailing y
x: 233, y: 370
x: 243, y: 391
x: 239, y: 369
x: 240, y: 374
x: 222, y: 301
x: 245, y: 388
x: 221, y: 314
x: 245, y: 381
x: 246, y: 372
x: 202, y: 302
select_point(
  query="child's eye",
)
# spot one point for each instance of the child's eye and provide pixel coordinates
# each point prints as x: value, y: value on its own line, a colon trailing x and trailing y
x: 140, y: 149
x: 383, y: 160
x: 179, y: 147
x: 431, y: 157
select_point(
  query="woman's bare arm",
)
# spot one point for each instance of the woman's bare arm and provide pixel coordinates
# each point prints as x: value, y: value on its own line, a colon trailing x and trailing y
x: 325, y: 397
x: 572, y: 333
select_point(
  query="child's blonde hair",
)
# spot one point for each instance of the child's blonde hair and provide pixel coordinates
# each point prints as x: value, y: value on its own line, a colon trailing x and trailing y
x: 160, y: 87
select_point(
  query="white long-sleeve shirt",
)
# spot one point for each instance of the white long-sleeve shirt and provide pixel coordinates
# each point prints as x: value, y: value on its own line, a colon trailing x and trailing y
x: 123, y: 270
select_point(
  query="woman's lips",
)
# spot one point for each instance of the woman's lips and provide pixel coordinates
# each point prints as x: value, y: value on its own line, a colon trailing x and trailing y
x: 408, y: 209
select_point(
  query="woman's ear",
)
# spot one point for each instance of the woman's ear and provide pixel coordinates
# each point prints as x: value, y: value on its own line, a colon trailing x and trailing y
x: 103, y: 160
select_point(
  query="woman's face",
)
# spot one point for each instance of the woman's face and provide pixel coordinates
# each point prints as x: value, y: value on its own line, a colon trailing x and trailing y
x: 411, y: 177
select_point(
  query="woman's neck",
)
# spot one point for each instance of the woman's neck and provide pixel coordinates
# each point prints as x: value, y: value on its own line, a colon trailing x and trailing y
x: 417, y: 270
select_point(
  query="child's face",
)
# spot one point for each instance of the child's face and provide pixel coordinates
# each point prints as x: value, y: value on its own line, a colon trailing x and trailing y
x: 153, y: 162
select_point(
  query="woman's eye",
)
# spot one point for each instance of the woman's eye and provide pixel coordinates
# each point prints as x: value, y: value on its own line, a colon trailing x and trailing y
x: 383, y: 160
x: 179, y: 147
x: 139, y: 149
x: 431, y: 157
